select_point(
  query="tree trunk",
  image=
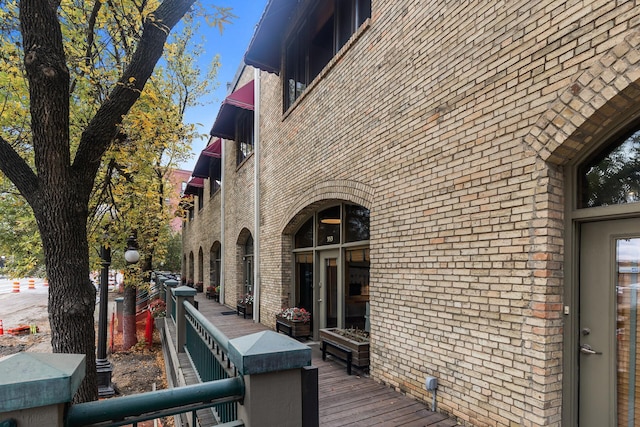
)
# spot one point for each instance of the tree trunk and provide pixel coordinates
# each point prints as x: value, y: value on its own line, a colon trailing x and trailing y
x: 72, y: 296
x: 129, y: 337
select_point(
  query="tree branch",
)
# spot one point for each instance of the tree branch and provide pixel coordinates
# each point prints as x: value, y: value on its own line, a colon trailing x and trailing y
x: 104, y: 126
x: 90, y: 31
x: 18, y: 171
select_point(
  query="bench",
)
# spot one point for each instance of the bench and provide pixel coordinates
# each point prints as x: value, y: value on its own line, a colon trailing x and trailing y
x: 214, y: 295
x: 337, y: 350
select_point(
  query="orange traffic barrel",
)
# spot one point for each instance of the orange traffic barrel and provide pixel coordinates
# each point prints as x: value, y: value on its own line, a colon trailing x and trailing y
x: 32, y: 283
x: 16, y: 286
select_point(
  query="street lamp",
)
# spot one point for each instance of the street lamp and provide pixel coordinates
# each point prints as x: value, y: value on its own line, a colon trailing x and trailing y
x: 103, y: 366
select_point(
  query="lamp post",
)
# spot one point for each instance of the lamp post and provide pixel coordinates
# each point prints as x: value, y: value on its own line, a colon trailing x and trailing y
x: 103, y: 366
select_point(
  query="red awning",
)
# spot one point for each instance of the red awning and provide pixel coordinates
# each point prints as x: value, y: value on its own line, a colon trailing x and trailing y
x: 241, y: 99
x: 193, y: 185
x: 265, y: 49
x: 212, y: 152
x: 214, y: 149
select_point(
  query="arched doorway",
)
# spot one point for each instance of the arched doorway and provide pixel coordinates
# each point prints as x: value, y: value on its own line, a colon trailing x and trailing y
x: 331, y: 266
x: 606, y: 230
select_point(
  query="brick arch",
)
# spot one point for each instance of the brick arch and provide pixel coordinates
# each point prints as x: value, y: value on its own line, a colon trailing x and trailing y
x: 318, y: 195
x: 243, y: 236
x: 601, y: 98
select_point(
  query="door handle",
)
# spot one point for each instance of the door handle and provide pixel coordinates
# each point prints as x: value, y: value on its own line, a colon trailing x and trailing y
x: 586, y: 349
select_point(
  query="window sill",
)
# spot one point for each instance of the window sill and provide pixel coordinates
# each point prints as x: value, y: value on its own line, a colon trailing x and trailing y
x: 327, y: 68
x: 245, y: 160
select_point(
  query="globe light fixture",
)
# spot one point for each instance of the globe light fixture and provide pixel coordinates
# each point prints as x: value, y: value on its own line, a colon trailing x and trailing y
x: 131, y: 255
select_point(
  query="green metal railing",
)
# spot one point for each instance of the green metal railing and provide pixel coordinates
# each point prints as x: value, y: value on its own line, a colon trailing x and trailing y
x: 155, y: 404
x: 208, y: 349
x: 174, y: 303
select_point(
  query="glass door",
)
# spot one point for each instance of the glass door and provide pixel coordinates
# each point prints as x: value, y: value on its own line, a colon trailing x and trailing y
x: 328, y: 306
x: 609, y: 280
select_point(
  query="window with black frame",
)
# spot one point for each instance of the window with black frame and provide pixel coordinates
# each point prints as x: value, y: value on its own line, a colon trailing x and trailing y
x: 244, y: 135
x: 326, y: 28
x: 200, y: 198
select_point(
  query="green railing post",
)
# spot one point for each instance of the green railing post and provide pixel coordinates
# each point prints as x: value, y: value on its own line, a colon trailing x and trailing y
x: 160, y: 279
x: 272, y: 366
x: 181, y: 294
x: 169, y: 286
x: 36, y: 388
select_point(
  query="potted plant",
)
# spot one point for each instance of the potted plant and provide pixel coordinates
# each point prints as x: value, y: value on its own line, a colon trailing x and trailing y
x: 158, y: 309
x: 352, y: 339
x: 213, y: 292
x: 295, y: 321
x: 199, y: 286
x: 245, y: 305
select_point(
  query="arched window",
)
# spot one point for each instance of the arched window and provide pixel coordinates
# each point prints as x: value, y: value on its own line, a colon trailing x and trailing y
x: 612, y: 176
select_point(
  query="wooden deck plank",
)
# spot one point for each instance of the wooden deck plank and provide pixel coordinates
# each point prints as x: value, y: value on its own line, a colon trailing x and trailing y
x: 409, y: 415
x: 344, y: 400
x: 371, y: 412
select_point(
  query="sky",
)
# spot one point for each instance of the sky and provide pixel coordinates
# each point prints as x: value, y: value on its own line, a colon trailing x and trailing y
x: 231, y: 46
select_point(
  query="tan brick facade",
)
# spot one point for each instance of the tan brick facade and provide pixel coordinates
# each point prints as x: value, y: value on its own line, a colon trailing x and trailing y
x: 452, y: 123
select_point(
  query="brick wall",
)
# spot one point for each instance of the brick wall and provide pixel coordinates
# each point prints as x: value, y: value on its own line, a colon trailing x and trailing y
x: 451, y: 122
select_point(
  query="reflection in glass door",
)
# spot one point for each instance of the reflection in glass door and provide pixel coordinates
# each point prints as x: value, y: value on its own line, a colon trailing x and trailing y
x: 331, y: 283
x: 328, y: 289
x: 628, y: 264
x: 608, y: 332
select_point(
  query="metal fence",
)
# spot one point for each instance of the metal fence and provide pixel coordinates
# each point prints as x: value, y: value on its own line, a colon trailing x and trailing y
x: 208, y: 349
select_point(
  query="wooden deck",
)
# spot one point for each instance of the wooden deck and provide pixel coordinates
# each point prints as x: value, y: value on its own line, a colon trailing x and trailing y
x: 344, y: 400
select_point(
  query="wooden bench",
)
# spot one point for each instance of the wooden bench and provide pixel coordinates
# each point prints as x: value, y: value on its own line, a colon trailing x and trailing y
x: 337, y: 350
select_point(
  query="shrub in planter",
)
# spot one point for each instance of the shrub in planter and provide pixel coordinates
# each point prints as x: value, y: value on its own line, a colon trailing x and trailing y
x: 295, y: 321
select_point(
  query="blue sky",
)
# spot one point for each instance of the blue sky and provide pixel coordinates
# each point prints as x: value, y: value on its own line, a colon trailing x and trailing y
x: 231, y: 46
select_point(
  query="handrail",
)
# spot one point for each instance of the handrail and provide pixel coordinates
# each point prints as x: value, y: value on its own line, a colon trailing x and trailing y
x: 208, y: 350
x: 170, y: 401
x: 220, y: 338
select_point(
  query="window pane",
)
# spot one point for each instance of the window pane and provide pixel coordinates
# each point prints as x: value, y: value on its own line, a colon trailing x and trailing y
x: 613, y: 177
x: 290, y: 73
x: 321, y: 47
x: 244, y: 135
x: 364, y: 11
x: 329, y: 226
x: 304, y: 281
x: 248, y: 247
x: 356, y: 287
x: 346, y: 22
x: 304, y: 236
x: 357, y: 223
